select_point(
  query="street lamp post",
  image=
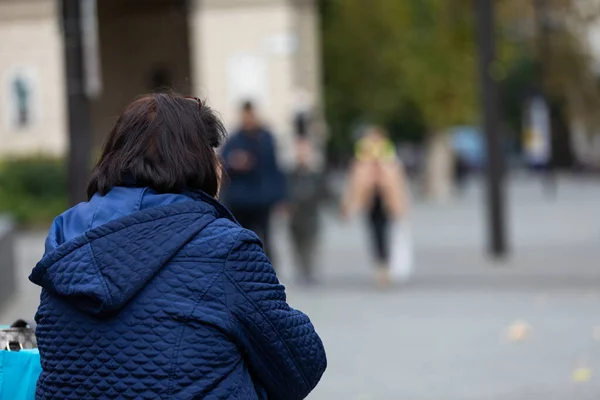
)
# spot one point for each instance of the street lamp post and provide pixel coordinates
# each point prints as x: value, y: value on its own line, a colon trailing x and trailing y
x: 497, y: 244
x: 78, y: 103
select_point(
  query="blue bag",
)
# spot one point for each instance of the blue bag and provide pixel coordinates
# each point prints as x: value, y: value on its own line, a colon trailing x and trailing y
x: 19, y: 368
x: 19, y: 372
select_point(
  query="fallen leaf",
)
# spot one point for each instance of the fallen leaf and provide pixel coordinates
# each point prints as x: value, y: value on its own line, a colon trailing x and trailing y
x: 518, y: 331
x: 582, y: 374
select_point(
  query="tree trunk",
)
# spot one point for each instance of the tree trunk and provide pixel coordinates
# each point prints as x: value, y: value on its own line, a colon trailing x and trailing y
x: 562, y: 149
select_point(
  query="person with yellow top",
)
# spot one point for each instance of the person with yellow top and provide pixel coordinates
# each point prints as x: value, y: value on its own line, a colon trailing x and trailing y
x: 376, y: 186
x: 375, y: 146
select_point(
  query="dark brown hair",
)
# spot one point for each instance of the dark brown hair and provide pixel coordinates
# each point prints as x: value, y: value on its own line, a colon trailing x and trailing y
x: 163, y: 141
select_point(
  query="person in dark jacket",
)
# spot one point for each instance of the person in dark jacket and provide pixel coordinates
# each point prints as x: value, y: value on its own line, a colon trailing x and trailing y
x: 256, y: 184
x: 152, y: 290
x: 307, y: 192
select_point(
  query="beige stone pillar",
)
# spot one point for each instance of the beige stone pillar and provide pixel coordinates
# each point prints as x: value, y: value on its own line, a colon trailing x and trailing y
x: 307, y: 57
x: 31, y: 51
x: 439, y: 167
x: 307, y: 69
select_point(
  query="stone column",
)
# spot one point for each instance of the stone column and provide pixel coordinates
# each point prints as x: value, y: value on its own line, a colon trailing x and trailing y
x: 307, y: 58
x: 307, y: 71
x: 439, y: 167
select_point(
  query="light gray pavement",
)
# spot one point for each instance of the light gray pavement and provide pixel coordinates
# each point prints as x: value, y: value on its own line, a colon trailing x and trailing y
x: 443, y: 336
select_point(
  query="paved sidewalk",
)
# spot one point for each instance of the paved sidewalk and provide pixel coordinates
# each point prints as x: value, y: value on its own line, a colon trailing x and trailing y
x: 445, y: 335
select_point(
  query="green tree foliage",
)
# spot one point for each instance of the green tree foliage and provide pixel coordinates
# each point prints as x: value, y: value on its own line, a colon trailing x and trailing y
x: 33, y: 189
x: 554, y: 37
x: 384, y: 58
x: 387, y: 60
x: 360, y: 81
x: 438, y: 61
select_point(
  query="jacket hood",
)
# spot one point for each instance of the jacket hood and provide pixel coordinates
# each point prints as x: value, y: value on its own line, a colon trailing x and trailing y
x: 102, y: 269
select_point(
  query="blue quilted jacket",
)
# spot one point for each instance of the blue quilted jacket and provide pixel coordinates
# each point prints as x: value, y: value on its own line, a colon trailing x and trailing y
x: 154, y: 296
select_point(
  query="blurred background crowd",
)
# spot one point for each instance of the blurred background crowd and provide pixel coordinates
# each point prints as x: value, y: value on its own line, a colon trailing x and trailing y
x: 478, y: 119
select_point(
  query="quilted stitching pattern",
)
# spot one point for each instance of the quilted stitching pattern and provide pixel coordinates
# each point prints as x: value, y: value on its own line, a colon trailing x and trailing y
x: 258, y: 303
x: 175, y: 302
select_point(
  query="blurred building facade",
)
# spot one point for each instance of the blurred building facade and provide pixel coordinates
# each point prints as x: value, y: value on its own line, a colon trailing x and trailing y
x: 226, y: 51
x: 32, y: 103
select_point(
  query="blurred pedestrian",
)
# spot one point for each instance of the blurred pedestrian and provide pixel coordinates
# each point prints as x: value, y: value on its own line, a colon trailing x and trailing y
x: 376, y: 186
x: 256, y: 184
x: 307, y: 192
x: 461, y: 173
x: 152, y: 290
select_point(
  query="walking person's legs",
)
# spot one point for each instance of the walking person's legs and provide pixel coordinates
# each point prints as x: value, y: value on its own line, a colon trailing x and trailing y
x: 379, y: 227
x: 380, y: 239
x: 304, y: 252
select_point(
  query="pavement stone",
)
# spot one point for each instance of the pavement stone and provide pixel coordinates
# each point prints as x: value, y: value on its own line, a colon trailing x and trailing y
x: 444, y: 335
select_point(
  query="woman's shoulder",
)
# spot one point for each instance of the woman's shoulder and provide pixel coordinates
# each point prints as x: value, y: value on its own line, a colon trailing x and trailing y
x: 219, y: 237
x: 224, y: 227
x: 221, y: 229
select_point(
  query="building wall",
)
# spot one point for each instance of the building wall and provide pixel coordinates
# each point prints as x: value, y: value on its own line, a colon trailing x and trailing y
x: 137, y: 39
x: 229, y: 41
x: 31, y: 47
x: 308, y: 73
x: 226, y: 51
x: 307, y: 58
x: 259, y: 50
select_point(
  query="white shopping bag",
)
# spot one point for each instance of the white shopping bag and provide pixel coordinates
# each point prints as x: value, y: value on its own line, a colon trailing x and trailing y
x: 402, y: 252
